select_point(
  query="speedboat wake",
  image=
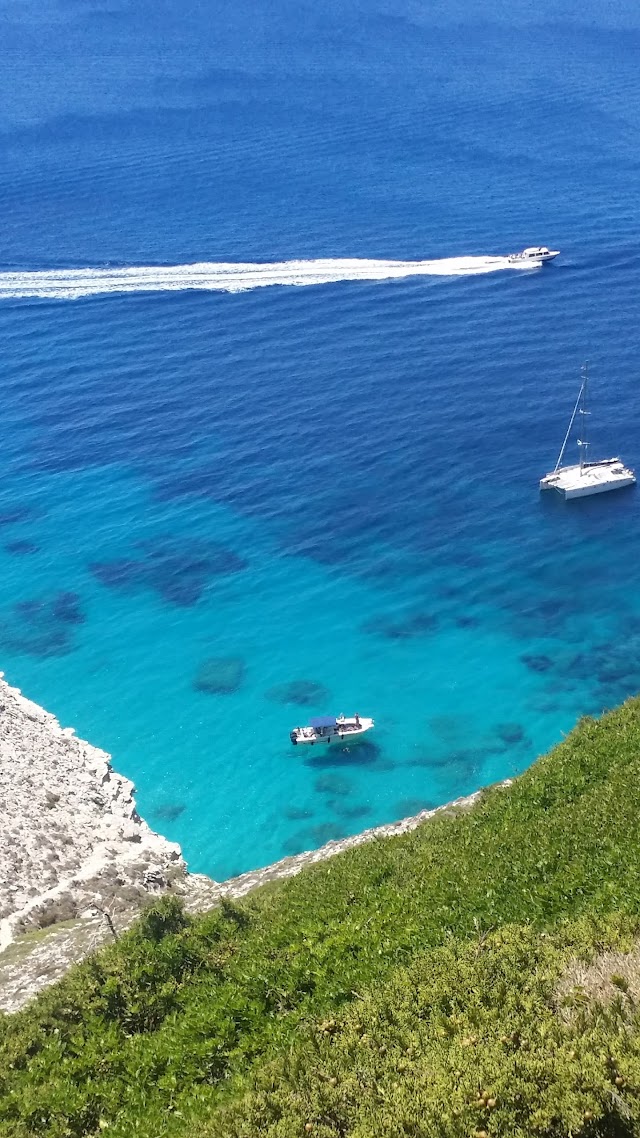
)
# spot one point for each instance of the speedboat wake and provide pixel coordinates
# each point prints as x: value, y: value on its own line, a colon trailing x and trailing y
x: 71, y: 284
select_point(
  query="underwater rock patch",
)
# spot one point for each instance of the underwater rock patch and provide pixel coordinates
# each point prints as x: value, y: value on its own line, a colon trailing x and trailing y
x: 119, y: 574
x: 361, y: 754
x: 41, y: 627
x: 65, y: 608
x: 509, y: 733
x: 169, y: 811
x: 422, y: 760
x: 334, y: 784
x: 348, y: 810
x: 314, y: 836
x: 21, y: 548
x: 537, y: 663
x: 220, y: 675
x: 297, y: 813
x: 178, y: 570
x: 466, y: 621
x: 18, y: 514
x: 407, y: 627
x: 303, y: 693
x: 451, y: 728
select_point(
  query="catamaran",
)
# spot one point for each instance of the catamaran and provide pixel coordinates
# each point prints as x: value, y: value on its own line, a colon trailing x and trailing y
x: 332, y: 729
x: 585, y: 478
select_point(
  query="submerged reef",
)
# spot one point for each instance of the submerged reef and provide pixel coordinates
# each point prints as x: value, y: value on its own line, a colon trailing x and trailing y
x: 537, y: 663
x: 453, y: 728
x: 177, y: 569
x: 364, y: 753
x: 348, y: 810
x: 21, y: 547
x: 466, y: 621
x: 297, y: 813
x: 303, y: 693
x: 66, y: 609
x: 407, y: 627
x: 43, y: 626
x: 510, y: 733
x: 18, y: 514
x: 220, y: 675
x: 335, y: 784
x: 313, y: 836
x: 169, y: 811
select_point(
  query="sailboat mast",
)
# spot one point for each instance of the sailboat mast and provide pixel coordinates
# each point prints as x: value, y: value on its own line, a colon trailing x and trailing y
x: 569, y: 428
x: 582, y: 441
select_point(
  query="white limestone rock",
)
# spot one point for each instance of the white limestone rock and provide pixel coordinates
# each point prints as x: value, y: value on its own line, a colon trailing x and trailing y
x: 68, y: 819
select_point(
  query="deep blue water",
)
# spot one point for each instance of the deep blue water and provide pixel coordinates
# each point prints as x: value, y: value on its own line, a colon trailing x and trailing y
x: 334, y: 484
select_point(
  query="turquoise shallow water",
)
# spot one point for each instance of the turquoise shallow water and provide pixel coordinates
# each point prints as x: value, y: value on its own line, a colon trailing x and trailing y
x: 332, y: 487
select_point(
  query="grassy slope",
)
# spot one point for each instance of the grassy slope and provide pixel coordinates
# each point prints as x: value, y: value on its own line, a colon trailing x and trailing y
x: 223, y: 1025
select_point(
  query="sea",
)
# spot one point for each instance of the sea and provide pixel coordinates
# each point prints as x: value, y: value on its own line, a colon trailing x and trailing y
x: 275, y: 406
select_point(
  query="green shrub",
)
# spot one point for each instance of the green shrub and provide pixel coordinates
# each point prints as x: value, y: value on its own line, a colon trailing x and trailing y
x: 466, y: 1040
x: 181, y: 1020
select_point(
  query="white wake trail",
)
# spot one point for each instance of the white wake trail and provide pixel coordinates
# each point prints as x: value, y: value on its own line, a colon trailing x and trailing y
x: 70, y: 284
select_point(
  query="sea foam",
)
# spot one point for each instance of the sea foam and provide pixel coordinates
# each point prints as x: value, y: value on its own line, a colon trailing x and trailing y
x: 71, y: 284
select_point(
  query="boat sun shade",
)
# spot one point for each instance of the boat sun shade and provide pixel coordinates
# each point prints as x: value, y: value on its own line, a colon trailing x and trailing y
x: 323, y: 721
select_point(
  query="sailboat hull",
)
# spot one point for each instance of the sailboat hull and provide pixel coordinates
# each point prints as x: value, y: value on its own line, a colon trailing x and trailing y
x: 588, y: 479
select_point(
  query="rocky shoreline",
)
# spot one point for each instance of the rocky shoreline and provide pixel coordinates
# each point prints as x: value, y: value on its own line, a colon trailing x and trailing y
x: 77, y: 862
x: 71, y: 833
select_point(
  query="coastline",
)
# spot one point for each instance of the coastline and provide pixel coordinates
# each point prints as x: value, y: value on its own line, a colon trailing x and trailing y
x: 78, y: 863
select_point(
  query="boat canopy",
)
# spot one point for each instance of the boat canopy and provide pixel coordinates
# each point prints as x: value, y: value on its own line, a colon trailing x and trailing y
x: 323, y: 721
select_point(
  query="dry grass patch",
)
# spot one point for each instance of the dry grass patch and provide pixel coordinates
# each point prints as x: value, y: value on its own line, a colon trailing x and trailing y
x: 610, y: 976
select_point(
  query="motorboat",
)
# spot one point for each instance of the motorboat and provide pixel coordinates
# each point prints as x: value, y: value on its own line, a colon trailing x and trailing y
x: 332, y: 729
x: 584, y: 478
x: 534, y: 255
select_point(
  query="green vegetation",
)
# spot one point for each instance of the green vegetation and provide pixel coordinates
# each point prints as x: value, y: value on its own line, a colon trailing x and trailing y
x: 413, y: 986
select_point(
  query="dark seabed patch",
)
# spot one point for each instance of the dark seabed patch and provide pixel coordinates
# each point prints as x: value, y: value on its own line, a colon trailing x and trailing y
x: 220, y: 675
x: 121, y: 573
x: 537, y: 663
x: 169, y: 811
x: 42, y: 627
x: 509, y: 733
x: 21, y: 548
x: 303, y: 693
x: 348, y: 810
x: 17, y: 514
x: 618, y: 663
x: 335, y: 784
x: 297, y: 813
x: 426, y: 761
x: 408, y: 627
x: 532, y: 616
x: 452, y: 729
x: 66, y: 609
x: 362, y: 754
x: 461, y: 769
x: 312, y: 837
x: 177, y: 569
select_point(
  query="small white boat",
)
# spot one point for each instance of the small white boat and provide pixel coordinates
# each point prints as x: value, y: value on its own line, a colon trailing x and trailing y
x: 534, y: 255
x: 332, y: 729
x: 586, y: 478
